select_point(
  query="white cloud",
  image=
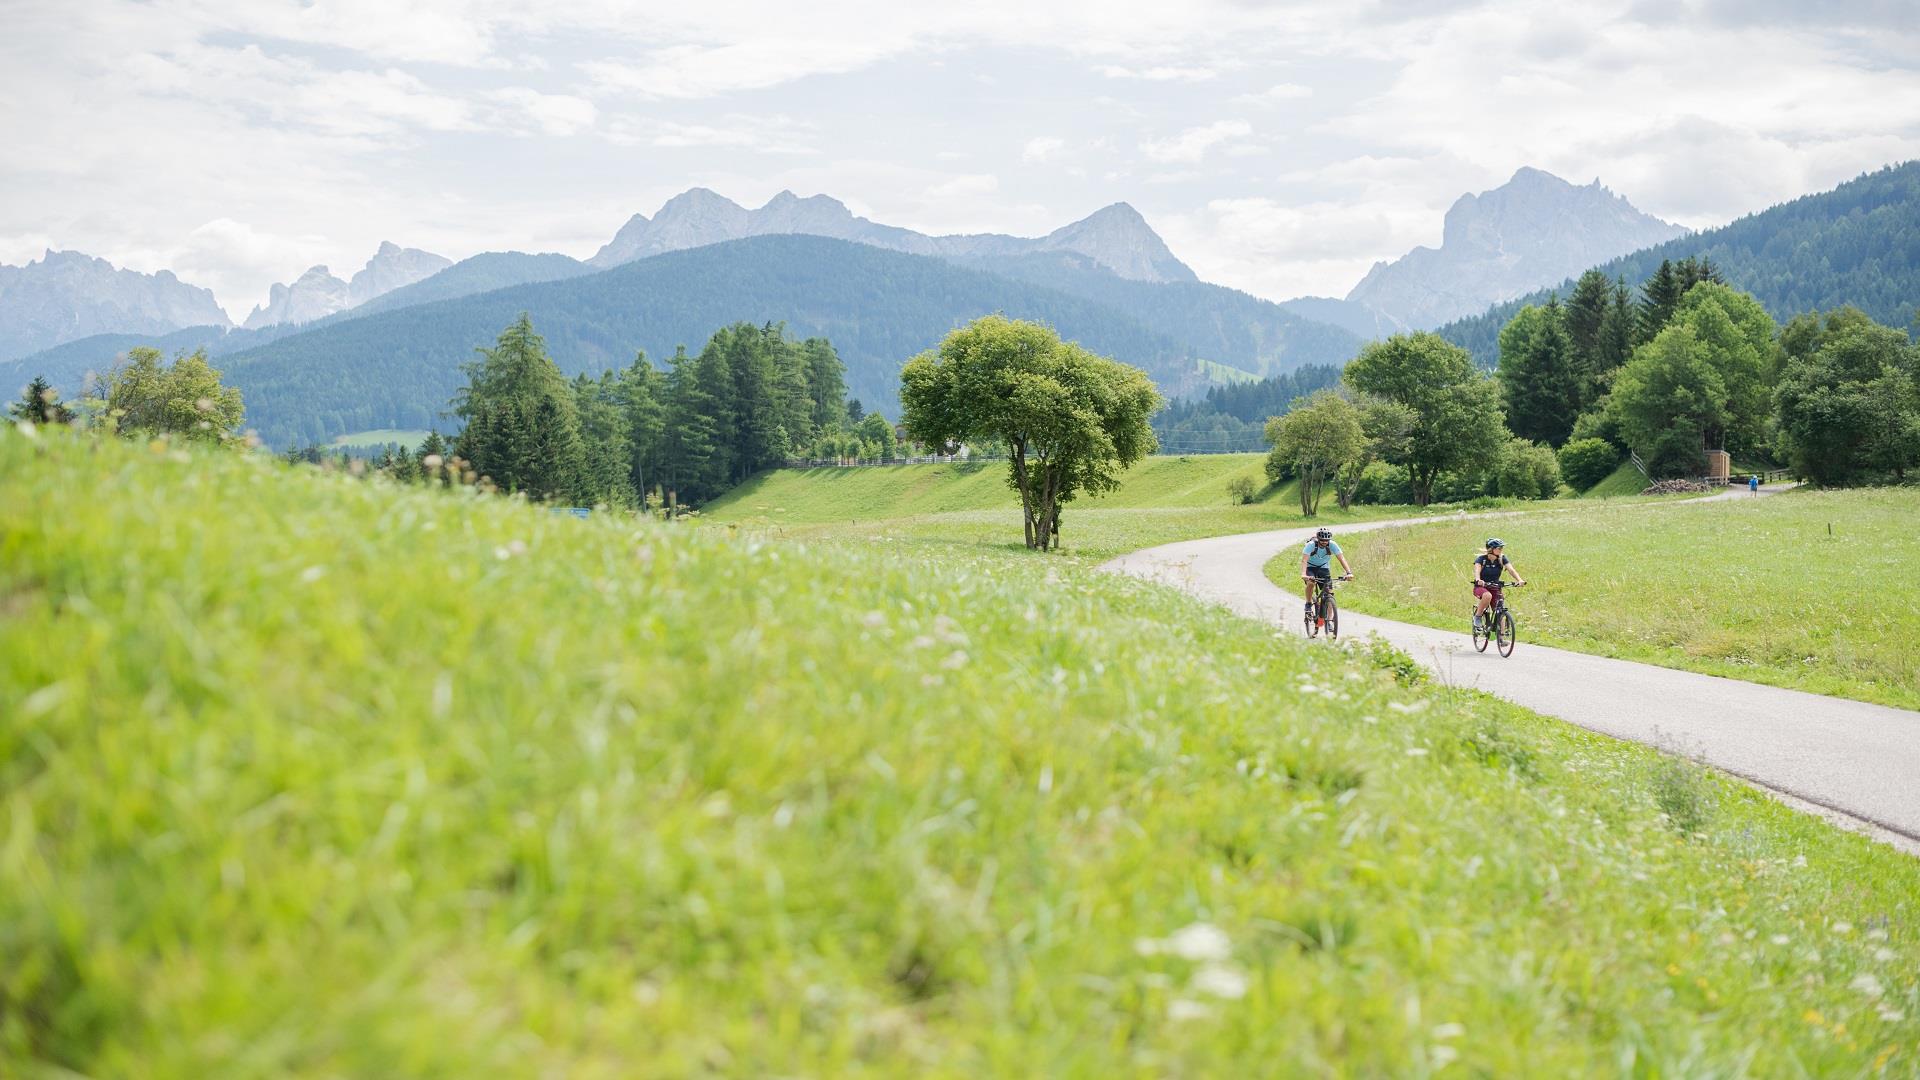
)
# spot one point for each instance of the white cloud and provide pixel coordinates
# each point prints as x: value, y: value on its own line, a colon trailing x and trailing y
x: 1041, y: 147
x: 1277, y: 93
x: 701, y: 71
x: 733, y: 131
x: 1159, y: 73
x: 549, y: 114
x: 1192, y: 144
x: 963, y: 187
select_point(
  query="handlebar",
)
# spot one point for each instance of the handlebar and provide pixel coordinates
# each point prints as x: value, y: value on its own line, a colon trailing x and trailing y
x: 1498, y: 584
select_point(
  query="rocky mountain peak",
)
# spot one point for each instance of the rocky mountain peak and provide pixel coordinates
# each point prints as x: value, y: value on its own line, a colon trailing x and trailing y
x: 1535, y: 230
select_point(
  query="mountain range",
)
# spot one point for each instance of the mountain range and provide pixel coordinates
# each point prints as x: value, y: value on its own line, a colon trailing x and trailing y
x: 65, y: 296
x: 317, y: 294
x: 1115, y: 238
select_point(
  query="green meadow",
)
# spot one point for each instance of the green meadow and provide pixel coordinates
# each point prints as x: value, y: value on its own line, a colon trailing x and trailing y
x: 305, y: 775
x: 1819, y: 591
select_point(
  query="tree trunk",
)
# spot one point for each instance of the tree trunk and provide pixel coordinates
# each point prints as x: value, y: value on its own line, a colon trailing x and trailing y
x: 1018, y: 452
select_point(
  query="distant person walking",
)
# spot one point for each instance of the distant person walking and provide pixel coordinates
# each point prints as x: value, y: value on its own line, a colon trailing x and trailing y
x: 1753, y: 484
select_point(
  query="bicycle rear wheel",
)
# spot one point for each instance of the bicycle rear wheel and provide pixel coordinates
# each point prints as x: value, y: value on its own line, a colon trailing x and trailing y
x: 1503, y: 629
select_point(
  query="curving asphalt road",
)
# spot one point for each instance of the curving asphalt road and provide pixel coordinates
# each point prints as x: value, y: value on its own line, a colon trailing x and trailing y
x: 1852, y: 759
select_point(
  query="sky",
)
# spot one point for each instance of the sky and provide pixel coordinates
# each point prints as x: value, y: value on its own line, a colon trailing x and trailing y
x: 1279, y: 148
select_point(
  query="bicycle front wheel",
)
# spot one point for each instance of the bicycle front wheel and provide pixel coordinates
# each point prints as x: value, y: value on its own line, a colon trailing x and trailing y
x: 1483, y: 632
x: 1333, y: 617
x: 1313, y: 621
x: 1503, y: 630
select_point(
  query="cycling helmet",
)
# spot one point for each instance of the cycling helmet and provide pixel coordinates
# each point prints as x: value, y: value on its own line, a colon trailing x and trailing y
x: 1495, y: 542
x: 1323, y: 534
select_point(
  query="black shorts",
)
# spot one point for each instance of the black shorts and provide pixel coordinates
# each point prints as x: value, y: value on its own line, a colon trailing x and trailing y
x: 1324, y: 573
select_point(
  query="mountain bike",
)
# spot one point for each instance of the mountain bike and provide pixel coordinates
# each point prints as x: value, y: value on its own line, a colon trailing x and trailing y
x: 1325, y: 613
x: 1497, y: 625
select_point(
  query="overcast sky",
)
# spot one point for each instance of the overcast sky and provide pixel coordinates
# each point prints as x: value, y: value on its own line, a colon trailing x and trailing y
x: 1279, y: 148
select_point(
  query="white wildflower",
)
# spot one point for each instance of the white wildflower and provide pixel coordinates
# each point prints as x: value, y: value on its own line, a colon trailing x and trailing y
x: 1199, y: 941
x: 955, y: 660
x: 1449, y: 1031
x: 1407, y: 707
x: 1182, y: 1009
x: 1221, y: 981
x: 1868, y: 985
x: 874, y: 619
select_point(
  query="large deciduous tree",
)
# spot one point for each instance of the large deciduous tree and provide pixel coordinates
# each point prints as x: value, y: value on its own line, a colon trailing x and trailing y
x: 1457, y: 420
x: 1317, y: 437
x: 1070, y: 421
x: 1847, y: 408
x: 1701, y: 383
x: 184, y: 398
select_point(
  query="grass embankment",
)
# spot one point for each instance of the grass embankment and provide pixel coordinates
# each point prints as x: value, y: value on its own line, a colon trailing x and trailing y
x: 1747, y: 588
x: 941, y: 507
x: 1622, y: 482
x: 301, y: 775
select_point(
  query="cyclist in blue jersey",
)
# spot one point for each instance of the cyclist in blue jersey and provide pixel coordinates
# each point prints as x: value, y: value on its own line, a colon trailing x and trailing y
x: 1316, y: 562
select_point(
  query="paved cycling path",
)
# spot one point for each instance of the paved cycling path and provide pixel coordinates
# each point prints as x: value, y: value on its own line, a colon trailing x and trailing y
x: 1858, y: 759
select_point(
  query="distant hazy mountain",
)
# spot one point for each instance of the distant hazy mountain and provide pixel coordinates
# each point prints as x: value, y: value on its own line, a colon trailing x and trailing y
x: 1532, y: 231
x: 1358, y: 319
x: 1214, y: 323
x: 481, y: 273
x: 399, y: 368
x: 1858, y: 244
x: 1116, y: 238
x: 67, y: 295
x: 317, y: 294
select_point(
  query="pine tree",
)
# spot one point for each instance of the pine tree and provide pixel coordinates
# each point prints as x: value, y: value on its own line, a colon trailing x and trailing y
x: 40, y: 404
x: 523, y: 429
x: 1541, y: 380
x: 691, y: 437
x: 641, y: 392
x: 1586, y: 324
x: 1616, y: 335
x: 1658, y: 299
x: 826, y: 383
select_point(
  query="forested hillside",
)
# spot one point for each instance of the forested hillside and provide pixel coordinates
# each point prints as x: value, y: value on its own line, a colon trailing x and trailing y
x: 1219, y: 324
x: 399, y: 368
x: 1233, y: 418
x: 1858, y: 244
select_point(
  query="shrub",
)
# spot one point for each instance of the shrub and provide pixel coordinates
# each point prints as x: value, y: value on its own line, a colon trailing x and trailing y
x: 1586, y: 462
x: 1383, y: 484
x: 1240, y: 489
x: 1526, y: 470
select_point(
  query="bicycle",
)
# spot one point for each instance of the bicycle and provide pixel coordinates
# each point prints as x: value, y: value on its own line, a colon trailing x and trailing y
x: 1326, y: 612
x: 1497, y: 625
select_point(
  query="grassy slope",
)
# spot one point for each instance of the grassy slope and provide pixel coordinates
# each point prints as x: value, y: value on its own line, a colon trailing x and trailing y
x: 1748, y: 589
x: 307, y: 776
x: 1623, y: 481
x: 805, y: 496
x: 935, y: 507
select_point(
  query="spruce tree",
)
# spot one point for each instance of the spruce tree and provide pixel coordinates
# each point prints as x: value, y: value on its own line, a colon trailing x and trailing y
x: 40, y: 404
x: 528, y: 434
x: 1586, y: 324
x: 826, y: 383
x: 1541, y: 381
x: 1658, y: 299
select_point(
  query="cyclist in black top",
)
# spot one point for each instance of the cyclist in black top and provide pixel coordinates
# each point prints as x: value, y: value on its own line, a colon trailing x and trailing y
x: 1487, y: 567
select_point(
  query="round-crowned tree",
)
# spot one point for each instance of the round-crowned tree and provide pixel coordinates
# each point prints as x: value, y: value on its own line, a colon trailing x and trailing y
x: 1070, y: 421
